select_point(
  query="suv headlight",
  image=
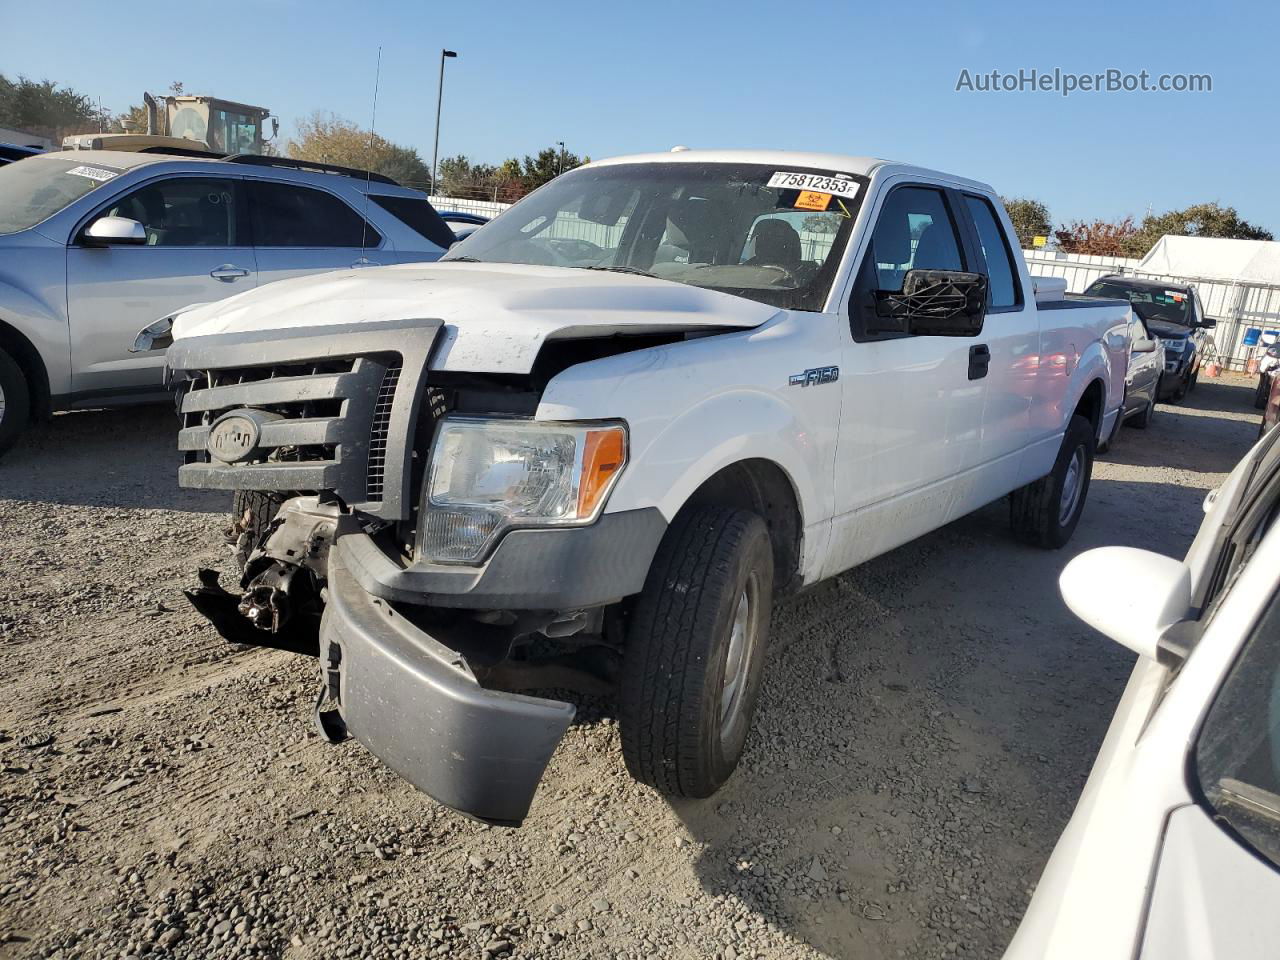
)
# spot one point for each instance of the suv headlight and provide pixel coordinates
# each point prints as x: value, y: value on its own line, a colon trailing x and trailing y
x: 487, y: 476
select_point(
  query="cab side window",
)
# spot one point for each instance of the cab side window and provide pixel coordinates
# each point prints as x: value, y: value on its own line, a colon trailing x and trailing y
x: 915, y: 231
x: 183, y: 212
x: 1237, y: 756
x: 1001, y: 273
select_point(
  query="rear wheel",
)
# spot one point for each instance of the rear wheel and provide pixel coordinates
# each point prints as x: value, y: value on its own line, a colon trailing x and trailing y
x: 15, y: 401
x: 1045, y: 513
x: 694, y: 652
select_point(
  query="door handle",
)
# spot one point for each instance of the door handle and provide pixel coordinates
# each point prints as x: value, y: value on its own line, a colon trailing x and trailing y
x: 228, y: 272
x: 979, y: 361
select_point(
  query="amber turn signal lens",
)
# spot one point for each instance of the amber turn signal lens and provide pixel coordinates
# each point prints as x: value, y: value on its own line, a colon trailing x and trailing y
x: 603, y: 457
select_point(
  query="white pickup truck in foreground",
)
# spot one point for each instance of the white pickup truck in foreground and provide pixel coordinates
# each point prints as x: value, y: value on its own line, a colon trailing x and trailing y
x: 591, y: 445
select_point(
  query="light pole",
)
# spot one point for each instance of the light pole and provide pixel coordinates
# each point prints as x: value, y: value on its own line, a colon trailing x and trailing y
x: 560, y: 165
x: 435, y: 154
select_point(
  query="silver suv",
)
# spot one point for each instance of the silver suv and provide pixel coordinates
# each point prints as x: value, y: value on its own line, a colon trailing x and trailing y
x: 96, y: 244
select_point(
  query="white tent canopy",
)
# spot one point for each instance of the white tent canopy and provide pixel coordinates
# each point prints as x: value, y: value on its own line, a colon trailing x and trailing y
x: 1245, y: 261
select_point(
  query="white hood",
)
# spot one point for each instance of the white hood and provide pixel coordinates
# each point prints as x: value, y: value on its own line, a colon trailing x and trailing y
x: 496, y: 316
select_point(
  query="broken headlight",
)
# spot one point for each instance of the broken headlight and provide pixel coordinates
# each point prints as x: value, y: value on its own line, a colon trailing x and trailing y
x: 487, y: 476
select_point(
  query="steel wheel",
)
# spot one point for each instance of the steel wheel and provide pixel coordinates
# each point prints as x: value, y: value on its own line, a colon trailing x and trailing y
x: 743, y: 637
x: 1072, y: 485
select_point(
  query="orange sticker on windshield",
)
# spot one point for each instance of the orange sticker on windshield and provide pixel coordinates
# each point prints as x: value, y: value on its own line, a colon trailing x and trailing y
x: 810, y: 200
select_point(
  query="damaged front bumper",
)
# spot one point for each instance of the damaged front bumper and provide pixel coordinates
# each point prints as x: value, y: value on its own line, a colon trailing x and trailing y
x: 417, y: 706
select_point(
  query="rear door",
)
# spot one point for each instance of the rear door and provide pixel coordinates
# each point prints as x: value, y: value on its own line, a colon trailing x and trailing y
x: 197, y: 251
x: 911, y: 408
x: 299, y: 230
x: 1012, y: 335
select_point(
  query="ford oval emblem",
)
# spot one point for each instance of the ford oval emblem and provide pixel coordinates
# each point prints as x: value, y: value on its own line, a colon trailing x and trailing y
x: 232, y: 438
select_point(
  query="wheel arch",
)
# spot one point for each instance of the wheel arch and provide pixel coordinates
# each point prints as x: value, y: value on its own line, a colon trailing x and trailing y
x: 1092, y: 404
x: 764, y: 488
x: 24, y: 352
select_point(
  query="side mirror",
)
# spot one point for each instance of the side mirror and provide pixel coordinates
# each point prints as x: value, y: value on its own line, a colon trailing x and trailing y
x: 1208, y: 322
x: 1133, y: 596
x: 940, y: 303
x: 110, y: 231
x: 1144, y: 345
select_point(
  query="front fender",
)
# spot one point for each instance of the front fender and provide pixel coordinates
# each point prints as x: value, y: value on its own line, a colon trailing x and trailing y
x: 697, y: 406
x: 33, y: 301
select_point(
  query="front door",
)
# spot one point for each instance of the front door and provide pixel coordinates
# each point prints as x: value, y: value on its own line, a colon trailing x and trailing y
x: 911, y: 406
x: 196, y: 252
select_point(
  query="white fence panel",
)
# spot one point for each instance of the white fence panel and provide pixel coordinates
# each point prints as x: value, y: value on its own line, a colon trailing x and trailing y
x: 1236, y: 306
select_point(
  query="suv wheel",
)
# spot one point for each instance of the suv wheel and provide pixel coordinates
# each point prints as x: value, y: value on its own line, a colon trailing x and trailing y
x: 694, y: 651
x: 1045, y: 513
x: 15, y: 401
x: 1143, y: 420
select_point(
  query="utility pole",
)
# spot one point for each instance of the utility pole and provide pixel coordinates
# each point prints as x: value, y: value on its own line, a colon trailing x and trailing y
x: 435, y: 154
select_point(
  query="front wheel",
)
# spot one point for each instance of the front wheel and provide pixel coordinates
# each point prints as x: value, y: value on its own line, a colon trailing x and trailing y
x: 15, y: 401
x: 1045, y: 513
x: 695, y: 648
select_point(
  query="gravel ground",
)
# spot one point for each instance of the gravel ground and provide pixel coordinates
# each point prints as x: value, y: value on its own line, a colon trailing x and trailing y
x: 926, y: 725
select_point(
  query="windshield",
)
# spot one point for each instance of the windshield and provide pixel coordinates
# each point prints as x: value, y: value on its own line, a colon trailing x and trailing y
x: 715, y: 225
x: 1150, y: 303
x: 35, y: 189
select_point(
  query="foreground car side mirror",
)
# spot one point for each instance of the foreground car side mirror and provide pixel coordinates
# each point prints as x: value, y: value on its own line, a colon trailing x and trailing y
x: 111, y: 231
x: 1145, y: 345
x: 1133, y: 596
x: 941, y: 303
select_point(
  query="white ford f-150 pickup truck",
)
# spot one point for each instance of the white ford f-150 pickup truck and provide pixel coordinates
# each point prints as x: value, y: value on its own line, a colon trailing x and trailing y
x: 593, y: 444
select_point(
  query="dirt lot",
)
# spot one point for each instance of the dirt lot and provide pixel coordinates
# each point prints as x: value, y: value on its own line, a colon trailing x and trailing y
x: 926, y: 725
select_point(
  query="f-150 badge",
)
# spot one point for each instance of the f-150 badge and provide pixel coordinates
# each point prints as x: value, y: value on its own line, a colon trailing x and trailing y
x: 815, y: 376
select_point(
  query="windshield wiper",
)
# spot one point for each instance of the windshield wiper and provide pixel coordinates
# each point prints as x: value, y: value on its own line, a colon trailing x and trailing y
x: 620, y: 269
x: 461, y: 260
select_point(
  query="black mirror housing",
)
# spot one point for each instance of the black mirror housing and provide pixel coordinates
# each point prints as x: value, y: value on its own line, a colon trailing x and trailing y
x: 939, y: 303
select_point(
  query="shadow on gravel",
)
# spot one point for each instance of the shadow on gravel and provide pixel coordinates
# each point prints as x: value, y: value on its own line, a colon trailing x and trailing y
x: 124, y: 458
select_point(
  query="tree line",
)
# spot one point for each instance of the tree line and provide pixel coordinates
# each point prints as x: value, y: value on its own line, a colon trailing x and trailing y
x: 1127, y: 237
x: 45, y: 108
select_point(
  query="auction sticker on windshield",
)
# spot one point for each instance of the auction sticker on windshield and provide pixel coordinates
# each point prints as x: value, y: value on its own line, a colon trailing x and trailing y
x: 93, y: 173
x: 821, y: 182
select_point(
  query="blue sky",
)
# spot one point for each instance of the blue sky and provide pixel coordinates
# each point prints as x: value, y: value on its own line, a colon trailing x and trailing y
x: 619, y: 77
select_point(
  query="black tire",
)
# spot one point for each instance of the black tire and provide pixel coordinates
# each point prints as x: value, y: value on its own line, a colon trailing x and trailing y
x: 676, y: 735
x: 251, y: 513
x: 16, y: 399
x: 1262, y: 392
x: 1143, y: 420
x: 1035, y: 511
